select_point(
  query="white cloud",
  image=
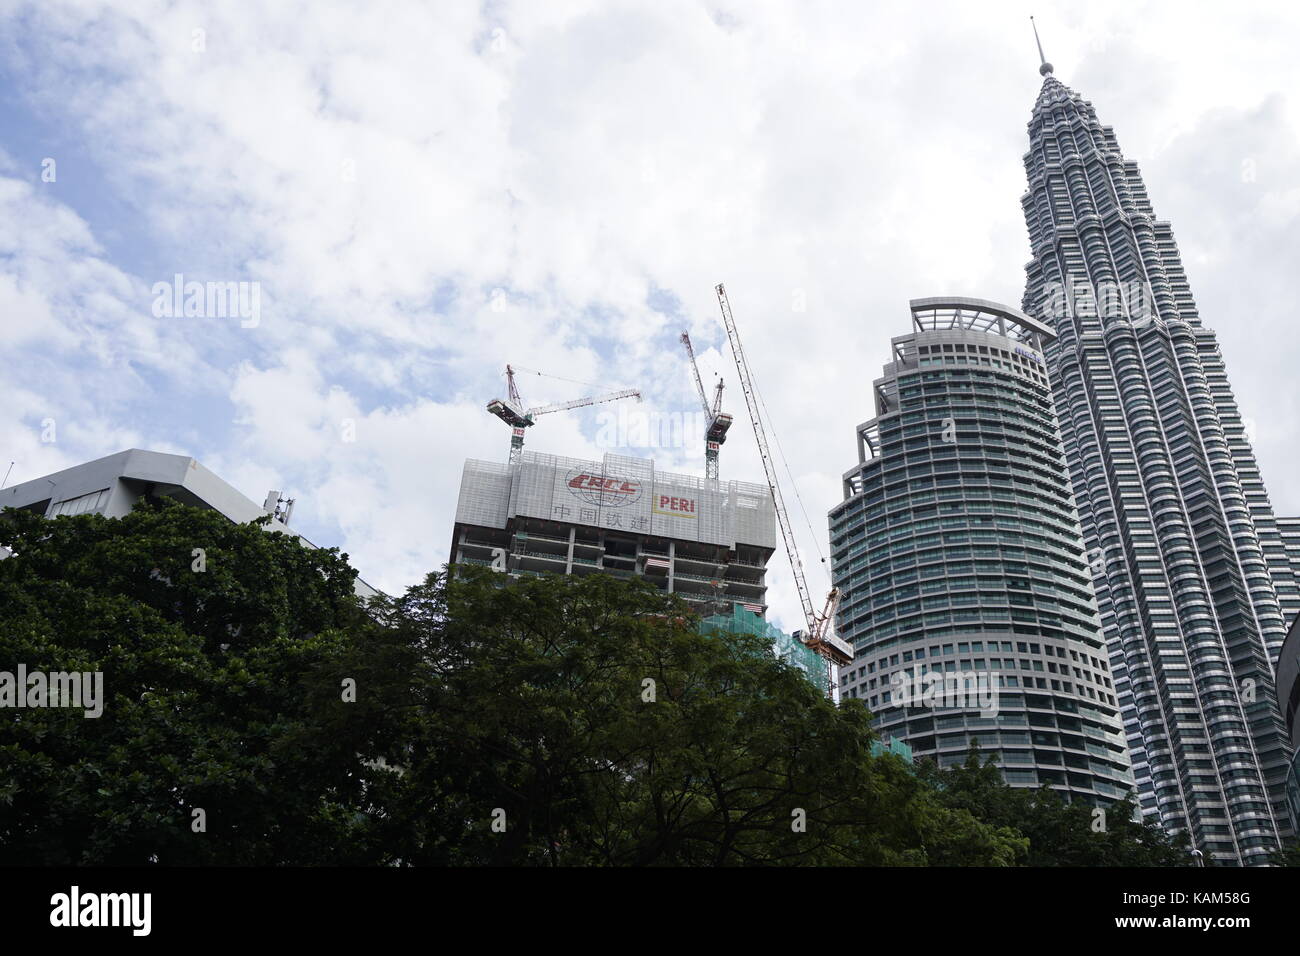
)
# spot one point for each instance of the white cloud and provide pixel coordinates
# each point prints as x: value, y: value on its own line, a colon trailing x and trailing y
x: 382, y: 173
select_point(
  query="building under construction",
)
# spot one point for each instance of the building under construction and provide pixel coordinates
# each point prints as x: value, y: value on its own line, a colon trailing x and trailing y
x: 706, y: 541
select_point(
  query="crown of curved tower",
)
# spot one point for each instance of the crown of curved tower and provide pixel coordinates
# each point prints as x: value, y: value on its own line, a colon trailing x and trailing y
x: 958, y: 555
x: 1193, y: 579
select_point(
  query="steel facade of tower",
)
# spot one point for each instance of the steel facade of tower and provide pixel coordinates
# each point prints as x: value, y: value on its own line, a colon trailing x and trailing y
x: 1192, y: 574
x: 959, y: 554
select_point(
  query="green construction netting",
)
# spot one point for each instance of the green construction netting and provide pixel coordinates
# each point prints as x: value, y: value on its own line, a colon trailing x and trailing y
x: 784, y: 646
x: 894, y: 746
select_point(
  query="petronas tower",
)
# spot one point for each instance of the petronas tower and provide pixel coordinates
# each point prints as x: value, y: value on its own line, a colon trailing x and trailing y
x: 1193, y: 580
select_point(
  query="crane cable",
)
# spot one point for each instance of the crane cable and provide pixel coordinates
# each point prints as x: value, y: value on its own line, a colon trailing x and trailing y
x: 776, y: 439
x: 574, y: 381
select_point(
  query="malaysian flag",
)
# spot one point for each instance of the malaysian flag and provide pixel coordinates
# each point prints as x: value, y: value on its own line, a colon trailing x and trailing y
x: 656, y: 563
x: 756, y: 608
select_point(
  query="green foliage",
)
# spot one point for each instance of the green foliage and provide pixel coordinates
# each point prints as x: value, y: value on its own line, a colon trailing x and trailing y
x: 217, y: 687
x: 1057, y: 833
x: 539, y: 708
x: 1285, y: 856
x: 546, y: 721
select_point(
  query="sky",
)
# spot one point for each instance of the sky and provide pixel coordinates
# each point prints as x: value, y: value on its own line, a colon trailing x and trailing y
x: 422, y: 192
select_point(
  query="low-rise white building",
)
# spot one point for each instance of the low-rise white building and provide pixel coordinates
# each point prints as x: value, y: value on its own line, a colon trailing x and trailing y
x: 112, y: 485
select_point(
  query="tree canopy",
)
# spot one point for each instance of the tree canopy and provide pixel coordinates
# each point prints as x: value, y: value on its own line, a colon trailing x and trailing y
x: 258, y: 713
x: 1057, y: 833
x: 216, y: 664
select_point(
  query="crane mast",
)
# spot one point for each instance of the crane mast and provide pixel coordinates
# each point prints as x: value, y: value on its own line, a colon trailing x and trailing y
x: 818, y: 635
x: 765, y: 453
x: 715, y: 432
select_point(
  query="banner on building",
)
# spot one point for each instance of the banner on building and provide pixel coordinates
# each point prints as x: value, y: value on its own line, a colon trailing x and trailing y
x: 619, y: 494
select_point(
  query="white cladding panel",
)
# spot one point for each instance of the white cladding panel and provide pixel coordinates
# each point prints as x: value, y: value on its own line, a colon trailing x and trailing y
x: 484, y: 494
x: 620, y: 494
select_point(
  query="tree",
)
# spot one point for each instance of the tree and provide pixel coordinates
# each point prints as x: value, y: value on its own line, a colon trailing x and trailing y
x: 590, y: 721
x: 1058, y: 833
x: 224, y: 737
x: 1285, y: 856
x: 256, y: 713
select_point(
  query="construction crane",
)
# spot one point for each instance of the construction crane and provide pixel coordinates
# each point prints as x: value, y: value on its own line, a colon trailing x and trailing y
x: 715, y: 432
x: 818, y: 636
x: 511, y: 410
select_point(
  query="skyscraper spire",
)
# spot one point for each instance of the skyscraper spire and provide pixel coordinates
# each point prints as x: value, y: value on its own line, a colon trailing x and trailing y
x: 1046, y: 67
x: 1195, y: 582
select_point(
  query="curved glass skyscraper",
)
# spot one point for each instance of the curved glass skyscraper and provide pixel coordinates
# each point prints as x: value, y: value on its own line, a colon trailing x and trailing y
x: 1192, y: 576
x: 965, y: 589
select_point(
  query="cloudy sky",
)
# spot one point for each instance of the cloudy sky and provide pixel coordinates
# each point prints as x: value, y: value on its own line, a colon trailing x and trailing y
x: 425, y: 191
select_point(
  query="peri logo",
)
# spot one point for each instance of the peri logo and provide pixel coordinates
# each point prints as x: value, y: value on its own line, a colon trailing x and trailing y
x: 603, y: 491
